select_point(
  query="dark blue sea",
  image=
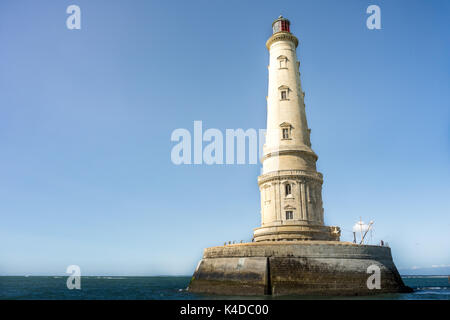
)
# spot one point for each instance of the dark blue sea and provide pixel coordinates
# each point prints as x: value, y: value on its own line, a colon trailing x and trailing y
x: 169, y: 288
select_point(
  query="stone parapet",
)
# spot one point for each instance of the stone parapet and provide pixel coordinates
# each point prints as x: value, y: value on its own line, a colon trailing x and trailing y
x: 281, y: 36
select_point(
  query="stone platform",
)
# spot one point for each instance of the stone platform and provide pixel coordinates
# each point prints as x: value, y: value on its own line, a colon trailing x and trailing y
x: 294, y: 267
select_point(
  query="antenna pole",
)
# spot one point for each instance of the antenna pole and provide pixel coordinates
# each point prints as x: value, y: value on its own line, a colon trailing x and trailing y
x: 370, y: 225
x: 360, y: 228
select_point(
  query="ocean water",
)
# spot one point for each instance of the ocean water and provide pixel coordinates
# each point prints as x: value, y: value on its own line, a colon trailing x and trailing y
x: 150, y: 288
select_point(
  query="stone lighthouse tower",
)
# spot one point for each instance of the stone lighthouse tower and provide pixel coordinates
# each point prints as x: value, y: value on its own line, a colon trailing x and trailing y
x: 293, y: 252
x: 291, y: 187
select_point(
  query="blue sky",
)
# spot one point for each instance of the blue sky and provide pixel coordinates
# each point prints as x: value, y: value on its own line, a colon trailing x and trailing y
x: 86, y: 117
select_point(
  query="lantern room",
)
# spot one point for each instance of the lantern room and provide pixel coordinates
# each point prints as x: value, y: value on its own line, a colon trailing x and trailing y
x: 281, y: 25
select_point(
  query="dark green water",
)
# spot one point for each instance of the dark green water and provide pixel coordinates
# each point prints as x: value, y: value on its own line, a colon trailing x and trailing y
x: 106, y: 288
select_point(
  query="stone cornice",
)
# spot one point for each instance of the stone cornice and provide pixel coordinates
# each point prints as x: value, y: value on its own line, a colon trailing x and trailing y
x: 287, y: 150
x: 281, y: 36
x: 290, y: 174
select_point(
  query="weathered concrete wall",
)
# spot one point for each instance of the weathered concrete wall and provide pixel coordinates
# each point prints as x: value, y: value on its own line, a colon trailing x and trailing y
x: 330, y: 276
x: 283, y: 268
x: 229, y: 275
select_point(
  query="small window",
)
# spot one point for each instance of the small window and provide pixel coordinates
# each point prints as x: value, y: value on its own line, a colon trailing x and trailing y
x: 284, y: 92
x: 289, y: 215
x: 287, y: 189
x: 282, y: 60
x: 286, y: 131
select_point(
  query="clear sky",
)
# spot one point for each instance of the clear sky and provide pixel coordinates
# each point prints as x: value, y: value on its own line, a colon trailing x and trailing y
x: 86, y: 117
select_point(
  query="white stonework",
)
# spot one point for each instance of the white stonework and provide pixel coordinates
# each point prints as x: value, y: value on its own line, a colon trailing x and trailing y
x: 290, y: 186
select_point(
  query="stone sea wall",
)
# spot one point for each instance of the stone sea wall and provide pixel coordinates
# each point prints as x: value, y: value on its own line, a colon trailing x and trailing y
x: 285, y: 268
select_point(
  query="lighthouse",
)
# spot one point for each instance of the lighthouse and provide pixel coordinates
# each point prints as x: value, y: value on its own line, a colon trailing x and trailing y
x: 290, y: 186
x: 292, y: 252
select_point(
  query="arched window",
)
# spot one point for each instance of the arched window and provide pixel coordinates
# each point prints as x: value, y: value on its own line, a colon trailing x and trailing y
x: 287, y: 189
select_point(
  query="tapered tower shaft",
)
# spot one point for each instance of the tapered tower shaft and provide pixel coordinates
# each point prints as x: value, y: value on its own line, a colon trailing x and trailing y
x: 291, y: 187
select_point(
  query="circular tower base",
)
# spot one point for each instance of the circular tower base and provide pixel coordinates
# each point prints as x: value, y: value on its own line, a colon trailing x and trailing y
x: 292, y: 232
x: 297, y: 268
